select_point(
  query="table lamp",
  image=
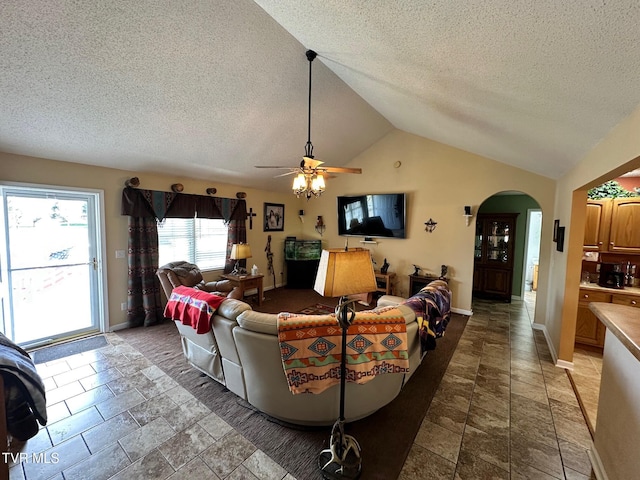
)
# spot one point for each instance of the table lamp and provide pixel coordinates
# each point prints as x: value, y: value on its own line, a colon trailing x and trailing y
x: 240, y: 251
x: 342, y: 273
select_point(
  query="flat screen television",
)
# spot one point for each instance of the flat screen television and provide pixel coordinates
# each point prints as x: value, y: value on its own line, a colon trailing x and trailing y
x: 374, y: 215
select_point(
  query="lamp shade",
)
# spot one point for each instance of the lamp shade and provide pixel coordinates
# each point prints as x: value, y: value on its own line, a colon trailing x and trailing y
x: 345, y: 272
x: 240, y: 251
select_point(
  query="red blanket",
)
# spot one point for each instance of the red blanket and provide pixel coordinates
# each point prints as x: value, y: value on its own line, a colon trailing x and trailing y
x: 192, y: 307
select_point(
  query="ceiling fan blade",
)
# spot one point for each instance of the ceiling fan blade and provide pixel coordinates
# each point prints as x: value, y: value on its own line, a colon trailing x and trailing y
x: 340, y: 170
x: 288, y: 173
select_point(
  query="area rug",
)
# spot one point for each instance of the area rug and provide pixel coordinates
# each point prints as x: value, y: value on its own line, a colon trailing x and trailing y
x: 47, y: 354
x: 317, y: 309
x: 385, y: 437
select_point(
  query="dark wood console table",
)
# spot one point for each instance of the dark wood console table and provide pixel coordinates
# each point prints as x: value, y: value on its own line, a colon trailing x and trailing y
x: 417, y: 282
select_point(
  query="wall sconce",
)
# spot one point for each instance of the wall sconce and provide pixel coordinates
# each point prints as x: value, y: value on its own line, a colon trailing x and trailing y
x: 430, y: 225
x: 467, y: 214
x: 211, y: 191
x: 320, y: 226
x: 177, y: 188
x: 241, y: 195
x: 132, y: 182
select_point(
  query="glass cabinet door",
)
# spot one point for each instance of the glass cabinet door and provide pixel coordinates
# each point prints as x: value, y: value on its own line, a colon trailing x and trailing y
x: 477, y: 252
x: 498, y: 242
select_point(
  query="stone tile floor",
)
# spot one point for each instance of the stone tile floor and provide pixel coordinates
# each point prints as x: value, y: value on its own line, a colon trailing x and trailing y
x: 503, y: 410
x: 586, y: 374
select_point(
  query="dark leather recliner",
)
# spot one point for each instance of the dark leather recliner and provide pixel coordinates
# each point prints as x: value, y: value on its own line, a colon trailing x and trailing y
x: 175, y: 274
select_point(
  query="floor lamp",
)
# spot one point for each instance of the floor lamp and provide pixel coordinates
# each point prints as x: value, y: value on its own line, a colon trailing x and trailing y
x: 342, y: 273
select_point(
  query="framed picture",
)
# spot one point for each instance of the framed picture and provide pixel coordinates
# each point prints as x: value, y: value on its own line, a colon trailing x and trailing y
x: 273, y: 217
x: 560, y: 241
x: 556, y: 226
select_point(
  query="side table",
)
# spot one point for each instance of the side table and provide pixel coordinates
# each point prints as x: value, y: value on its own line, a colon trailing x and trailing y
x: 246, y: 282
x: 384, y: 282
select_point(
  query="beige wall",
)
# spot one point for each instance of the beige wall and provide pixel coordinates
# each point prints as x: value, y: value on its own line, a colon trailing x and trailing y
x: 439, y: 180
x: 15, y: 168
x: 618, y: 153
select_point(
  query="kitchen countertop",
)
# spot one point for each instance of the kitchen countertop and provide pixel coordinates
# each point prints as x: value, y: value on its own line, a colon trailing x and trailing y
x: 622, y: 321
x: 635, y: 291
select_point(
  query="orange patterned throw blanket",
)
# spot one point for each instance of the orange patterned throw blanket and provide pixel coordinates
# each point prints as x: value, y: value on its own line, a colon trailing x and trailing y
x: 311, y: 346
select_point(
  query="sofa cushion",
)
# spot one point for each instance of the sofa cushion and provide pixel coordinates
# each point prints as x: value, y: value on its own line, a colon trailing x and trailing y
x: 259, y: 322
x: 232, y: 308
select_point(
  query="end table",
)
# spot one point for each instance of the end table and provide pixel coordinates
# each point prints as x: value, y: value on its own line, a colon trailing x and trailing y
x: 246, y: 282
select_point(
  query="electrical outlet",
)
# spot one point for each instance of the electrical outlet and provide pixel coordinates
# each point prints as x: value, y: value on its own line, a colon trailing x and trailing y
x: 120, y: 253
x: 123, y: 306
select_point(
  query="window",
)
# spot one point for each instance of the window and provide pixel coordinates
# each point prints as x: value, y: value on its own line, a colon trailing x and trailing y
x: 202, y: 241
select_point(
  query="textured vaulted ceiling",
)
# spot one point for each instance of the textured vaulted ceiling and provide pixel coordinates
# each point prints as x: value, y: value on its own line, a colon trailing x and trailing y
x: 213, y: 88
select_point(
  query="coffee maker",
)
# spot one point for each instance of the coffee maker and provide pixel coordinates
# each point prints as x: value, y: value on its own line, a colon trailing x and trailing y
x: 611, y: 275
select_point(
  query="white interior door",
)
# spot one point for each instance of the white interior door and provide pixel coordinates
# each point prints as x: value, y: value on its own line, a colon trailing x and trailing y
x: 52, y: 264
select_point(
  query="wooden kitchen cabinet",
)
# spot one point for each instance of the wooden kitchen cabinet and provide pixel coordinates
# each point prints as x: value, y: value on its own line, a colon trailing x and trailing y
x: 493, y: 257
x: 624, y: 236
x: 613, y: 225
x: 590, y: 330
x: 597, y: 225
x: 629, y: 300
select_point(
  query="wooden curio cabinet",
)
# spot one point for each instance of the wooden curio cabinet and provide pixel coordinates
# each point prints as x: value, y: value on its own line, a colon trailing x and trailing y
x: 493, y: 262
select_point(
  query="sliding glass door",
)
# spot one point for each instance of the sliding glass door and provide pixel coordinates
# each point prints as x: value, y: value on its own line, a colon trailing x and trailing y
x: 51, y: 265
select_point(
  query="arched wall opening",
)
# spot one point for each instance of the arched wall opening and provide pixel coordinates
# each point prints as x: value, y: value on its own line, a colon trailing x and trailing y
x: 528, y: 227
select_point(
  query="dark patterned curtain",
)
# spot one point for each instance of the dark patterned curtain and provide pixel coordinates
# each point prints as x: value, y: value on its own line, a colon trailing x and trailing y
x: 237, y: 234
x: 144, y: 304
x: 145, y: 207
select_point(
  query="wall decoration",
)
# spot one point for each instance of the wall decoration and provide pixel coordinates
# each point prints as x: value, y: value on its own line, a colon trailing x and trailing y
x: 560, y: 240
x: 556, y: 225
x: 273, y: 217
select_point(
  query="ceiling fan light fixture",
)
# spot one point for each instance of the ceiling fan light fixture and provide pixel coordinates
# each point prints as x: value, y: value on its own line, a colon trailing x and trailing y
x: 309, y: 182
x: 299, y: 184
x: 317, y: 183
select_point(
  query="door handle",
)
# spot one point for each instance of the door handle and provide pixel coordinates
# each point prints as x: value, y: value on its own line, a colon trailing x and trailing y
x: 94, y: 262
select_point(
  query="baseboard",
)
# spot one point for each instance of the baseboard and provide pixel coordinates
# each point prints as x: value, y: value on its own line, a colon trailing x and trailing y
x: 462, y: 311
x: 120, y: 326
x: 564, y: 364
x: 596, y: 463
x: 552, y: 350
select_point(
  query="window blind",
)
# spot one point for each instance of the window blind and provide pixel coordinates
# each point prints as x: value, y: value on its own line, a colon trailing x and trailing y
x: 201, y: 241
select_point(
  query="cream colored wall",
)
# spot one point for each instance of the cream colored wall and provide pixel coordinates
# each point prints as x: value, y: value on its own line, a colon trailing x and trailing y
x: 439, y: 180
x: 15, y: 168
x: 617, y: 153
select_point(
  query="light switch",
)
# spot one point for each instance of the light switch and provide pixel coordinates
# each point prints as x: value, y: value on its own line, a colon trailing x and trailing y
x: 120, y: 253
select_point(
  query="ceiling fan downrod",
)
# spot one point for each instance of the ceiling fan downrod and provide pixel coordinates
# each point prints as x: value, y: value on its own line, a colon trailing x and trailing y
x: 308, y: 149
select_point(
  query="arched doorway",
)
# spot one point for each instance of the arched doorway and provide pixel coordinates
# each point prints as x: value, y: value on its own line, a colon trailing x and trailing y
x: 526, y: 242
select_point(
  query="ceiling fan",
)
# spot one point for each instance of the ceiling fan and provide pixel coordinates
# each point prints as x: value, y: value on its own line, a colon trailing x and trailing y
x: 310, y: 174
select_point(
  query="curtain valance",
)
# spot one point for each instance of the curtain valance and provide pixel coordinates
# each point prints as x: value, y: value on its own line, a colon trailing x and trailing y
x: 137, y: 202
